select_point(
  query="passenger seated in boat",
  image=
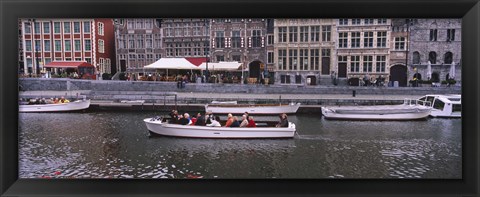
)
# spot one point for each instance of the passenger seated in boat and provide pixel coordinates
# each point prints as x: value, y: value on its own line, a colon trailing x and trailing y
x: 55, y: 100
x: 244, y: 121
x: 49, y: 101
x: 283, y: 121
x: 215, y: 122
x: 246, y: 114
x: 193, y: 120
x: 208, y: 119
x: 183, y: 120
x: 235, y: 122
x: 63, y: 100
x: 229, y: 120
x: 200, y: 120
x: 174, y: 115
x: 251, y: 122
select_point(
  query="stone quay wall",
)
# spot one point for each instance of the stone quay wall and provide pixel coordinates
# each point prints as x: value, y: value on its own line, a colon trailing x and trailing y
x: 99, y: 86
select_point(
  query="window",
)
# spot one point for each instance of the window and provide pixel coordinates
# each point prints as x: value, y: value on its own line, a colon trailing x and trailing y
x: 46, y: 27
x: 400, y: 43
x: 343, y: 40
x: 293, y: 34
x: 356, y: 21
x: 270, y: 39
x: 285, y: 79
x: 131, y: 41
x: 101, y: 46
x: 48, y: 60
x: 432, y: 57
x: 343, y: 21
x: 315, y: 33
x: 219, y: 39
x: 292, y: 59
x: 196, y: 31
x: 304, y: 34
x: 416, y: 57
x: 38, y: 45
x: 68, y: 45
x: 47, y: 45
x: 326, y: 33
x: 433, y: 34
x: 178, y: 31
x: 450, y: 34
x: 58, y: 45
x: 101, y: 30
x: 88, y: 45
x: 27, y: 28
x: 355, y: 39
x: 382, y: 21
x: 158, y: 41
x: 381, y: 62
x: 131, y: 24
x: 382, y: 39
x: 367, y: 63
x: 448, y: 58
x: 367, y: 39
x: 298, y: 79
x: 282, y: 34
x: 186, y: 30
x: 236, y: 58
x: 76, y: 27
x: 139, y: 24
x: 66, y: 27
x: 89, y: 60
x: 140, y: 41
x: 315, y: 59
x: 236, y: 40
x: 78, y: 46
x: 28, y: 45
x: 269, y: 58
x: 438, y: 104
x: 256, y: 38
x: 220, y: 58
x: 148, y: 23
x: 457, y: 108
x: 303, y: 59
x: 282, y: 59
x: 355, y: 64
x: 56, y: 27
x: 368, y: 21
x: 86, y: 27
x: 149, y: 41
x: 36, y: 27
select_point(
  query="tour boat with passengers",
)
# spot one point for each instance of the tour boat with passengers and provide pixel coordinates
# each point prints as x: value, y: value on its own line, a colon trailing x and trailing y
x: 75, y: 105
x: 445, y: 106
x: 409, y: 110
x: 265, y: 129
x: 265, y: 109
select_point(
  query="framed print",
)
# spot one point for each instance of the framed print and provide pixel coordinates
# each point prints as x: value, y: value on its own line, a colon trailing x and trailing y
x: 363, y: 98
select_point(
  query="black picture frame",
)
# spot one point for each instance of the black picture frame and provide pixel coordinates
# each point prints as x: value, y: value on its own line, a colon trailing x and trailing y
x: 10, y: 11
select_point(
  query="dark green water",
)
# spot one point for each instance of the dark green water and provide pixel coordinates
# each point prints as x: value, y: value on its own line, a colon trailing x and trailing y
x: 117, y: 145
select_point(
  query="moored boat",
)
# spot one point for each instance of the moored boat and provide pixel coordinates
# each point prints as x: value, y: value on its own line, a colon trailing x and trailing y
x: 406, y: 111
x: 57, y: 107
x: 252, y: 109
x: 161, y: 127
x: 445, y: 106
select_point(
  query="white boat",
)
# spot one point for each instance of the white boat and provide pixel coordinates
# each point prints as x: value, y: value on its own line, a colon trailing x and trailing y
x: 225, y: 102
x: 445, y: 106
x: 407, y: 111
x: 252, y: 109
x: 161, y: 127
x: 58, y: 107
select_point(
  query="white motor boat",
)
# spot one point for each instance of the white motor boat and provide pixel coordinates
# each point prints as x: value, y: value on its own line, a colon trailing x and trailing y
x: 159, y: 126
x: 252, y: 109
x: 409, y: 110
x: 58, y: 107
x: 446, y: 106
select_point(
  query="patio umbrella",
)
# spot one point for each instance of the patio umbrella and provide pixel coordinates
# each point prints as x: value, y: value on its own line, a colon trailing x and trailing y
x: 452, y: 70
x: 429, y: 70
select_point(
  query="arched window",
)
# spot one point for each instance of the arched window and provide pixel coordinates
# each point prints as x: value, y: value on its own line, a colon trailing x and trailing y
x: 448, y: 58
x: 432, y: 57
x: 416, y: 57
x: 435, y: 77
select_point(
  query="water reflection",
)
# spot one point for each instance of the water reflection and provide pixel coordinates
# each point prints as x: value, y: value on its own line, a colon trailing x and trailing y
x: 117, y: 145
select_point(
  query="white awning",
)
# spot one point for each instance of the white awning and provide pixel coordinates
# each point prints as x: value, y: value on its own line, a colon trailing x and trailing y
x: 225, y: 66
x: 173, y: 63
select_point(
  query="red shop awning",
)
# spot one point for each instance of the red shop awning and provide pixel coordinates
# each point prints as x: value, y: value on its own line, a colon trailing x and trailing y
x: 67, y: 64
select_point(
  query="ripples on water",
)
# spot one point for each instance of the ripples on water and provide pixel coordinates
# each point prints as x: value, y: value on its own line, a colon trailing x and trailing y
x: 117, y: 145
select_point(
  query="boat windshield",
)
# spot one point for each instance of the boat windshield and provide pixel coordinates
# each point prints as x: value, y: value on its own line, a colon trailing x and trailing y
x: 438, y: 104
x: 457, y: 108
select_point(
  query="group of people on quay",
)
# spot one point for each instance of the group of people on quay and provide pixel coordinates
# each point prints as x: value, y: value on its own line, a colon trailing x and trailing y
x: 214, y: 121
x: 40, y: 101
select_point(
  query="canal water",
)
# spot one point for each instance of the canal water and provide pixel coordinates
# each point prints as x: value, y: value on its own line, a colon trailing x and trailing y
x: 118, y: 145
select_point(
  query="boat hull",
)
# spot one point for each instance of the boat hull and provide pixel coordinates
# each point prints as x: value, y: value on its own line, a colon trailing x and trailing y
x: 162, y: 128
x: 60, y: 107
x: 399, y: 112
x: 253, y: 109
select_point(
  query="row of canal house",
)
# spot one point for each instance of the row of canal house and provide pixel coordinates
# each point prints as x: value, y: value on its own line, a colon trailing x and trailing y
x: 286, y: 51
